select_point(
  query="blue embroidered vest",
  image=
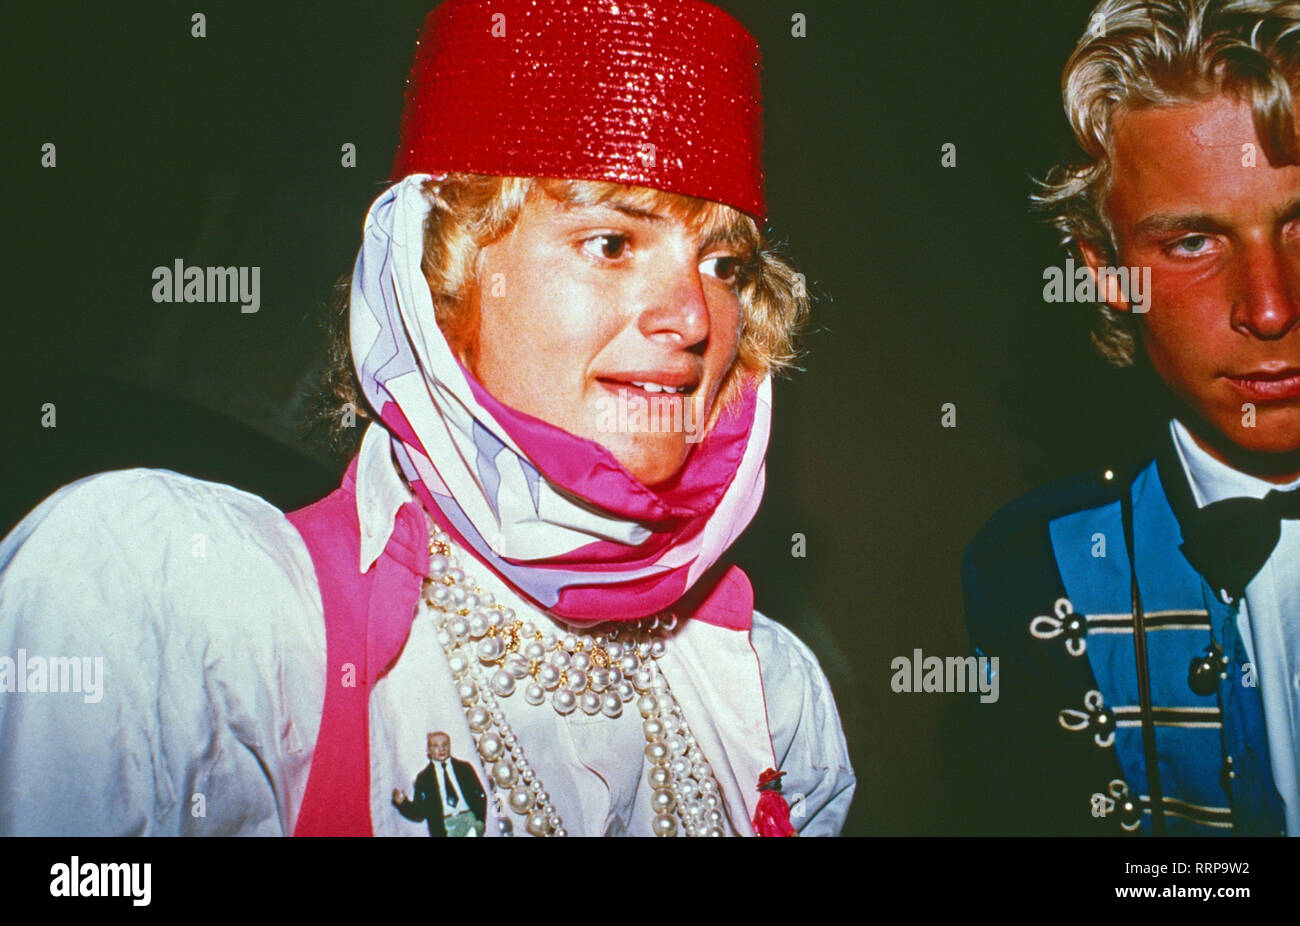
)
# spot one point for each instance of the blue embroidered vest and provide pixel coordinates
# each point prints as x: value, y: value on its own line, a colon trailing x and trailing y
x: 1074, y: 643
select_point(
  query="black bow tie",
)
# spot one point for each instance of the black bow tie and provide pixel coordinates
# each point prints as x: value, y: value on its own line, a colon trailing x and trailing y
x: 1229, y: 541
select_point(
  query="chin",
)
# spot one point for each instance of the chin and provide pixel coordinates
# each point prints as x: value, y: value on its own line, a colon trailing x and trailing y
x: 651, y: 461
x: 1271, y: 447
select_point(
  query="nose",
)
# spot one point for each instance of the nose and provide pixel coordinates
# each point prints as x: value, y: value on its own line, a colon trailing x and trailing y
x: 1267, y: 304
x: 676, y: 307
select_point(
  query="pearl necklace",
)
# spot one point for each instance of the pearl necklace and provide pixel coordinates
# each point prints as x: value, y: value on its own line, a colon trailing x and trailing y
x: 490, y: 652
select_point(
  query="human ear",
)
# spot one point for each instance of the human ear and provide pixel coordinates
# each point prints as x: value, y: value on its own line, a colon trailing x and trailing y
x: 1117, y: 299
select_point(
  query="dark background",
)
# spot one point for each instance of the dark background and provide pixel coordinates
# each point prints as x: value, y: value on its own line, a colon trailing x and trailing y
x: 225, y: 151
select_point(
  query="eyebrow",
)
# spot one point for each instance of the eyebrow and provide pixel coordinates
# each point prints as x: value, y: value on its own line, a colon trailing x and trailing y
x: 712, y: 239
x: 1163, y: 223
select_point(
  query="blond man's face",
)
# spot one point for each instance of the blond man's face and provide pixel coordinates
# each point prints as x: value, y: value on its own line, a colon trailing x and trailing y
x: 584, y: 308
x: 1195, y: 199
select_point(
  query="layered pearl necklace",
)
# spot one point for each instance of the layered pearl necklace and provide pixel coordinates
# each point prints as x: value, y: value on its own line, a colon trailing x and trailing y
x: 493, y: 654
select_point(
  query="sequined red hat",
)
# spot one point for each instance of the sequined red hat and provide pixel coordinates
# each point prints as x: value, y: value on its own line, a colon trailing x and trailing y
x: 769, y: 775
x: 654, y: 93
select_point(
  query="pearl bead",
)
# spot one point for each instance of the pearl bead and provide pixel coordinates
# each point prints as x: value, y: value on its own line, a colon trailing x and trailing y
x: 495, y: 619
x: 610, y: 705
x: 660, y: 777
x: 458, y: 664
x: 549, y: 809
x: 664, y: 825
x: 582, y: 661
x: 577, y: 680
x: 478, y: 624
x: 520, y: 800
x: 548, y: 676
x: 537, y: 824
x: 647, y: 704
x: 708, y: 786
x: 478, y: 719
x: 657, y: 649
x: 625, y: 691
x: 657, y: 753
x: 589, y: 702
x: 456, y: 574
x: 535, y: 651
x: 507, y: 614
x: 555, y: 821
x: 489, y: 649
x: 505, y: 827
x: 467, y: 692
x: 503, y: 683
x: 504, y: 774
x: 490, y: 746
x: 516, y: 665
x: 680, y: 767
x: 560, y: 659
x: 701, y: 771
x: 471, y: 600
x: 486, y: 599
x: 643, y: 679
x: 534, y: 694
x: 458, y: 627
x: 711, y: 801
x: 662, y: 801
x: 653, y: 729
x: 457, y: 596
x: 676, y: 744
x: 713, y: 831
x: 714, y: 816
x: 560, y: 832
x: 629, y: 664
x: 438, y: 565
x: 599, y: 679
x: 444, y: 639
x: 564, y: 700
x: 570, y: 643
x: 615, y: 676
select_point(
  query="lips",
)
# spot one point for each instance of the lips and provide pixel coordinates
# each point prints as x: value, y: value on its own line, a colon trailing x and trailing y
x: 667, y: 383
x: 1267, y: 384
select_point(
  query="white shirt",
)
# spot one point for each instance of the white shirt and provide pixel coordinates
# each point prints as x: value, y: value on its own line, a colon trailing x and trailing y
x: 1269, y: 618
x: 444, y: 772
x: 203, y: 604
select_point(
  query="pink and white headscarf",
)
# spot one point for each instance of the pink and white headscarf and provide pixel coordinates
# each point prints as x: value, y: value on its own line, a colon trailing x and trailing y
x: 556, y: 516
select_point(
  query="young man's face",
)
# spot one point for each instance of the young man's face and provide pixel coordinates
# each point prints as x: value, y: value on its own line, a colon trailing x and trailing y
x: 1222, y: 240
x: 578, y: 303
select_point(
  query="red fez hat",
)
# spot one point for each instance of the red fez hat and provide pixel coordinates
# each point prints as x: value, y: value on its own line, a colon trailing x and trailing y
x: 769, y: 775
x: 655, y: 93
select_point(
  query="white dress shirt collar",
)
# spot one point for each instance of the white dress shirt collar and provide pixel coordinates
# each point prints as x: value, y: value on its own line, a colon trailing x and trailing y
x: 1212, y: 480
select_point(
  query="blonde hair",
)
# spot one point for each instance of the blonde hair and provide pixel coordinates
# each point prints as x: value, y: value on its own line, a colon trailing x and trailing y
x: 1138, y: 54
x: 469, y: 211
